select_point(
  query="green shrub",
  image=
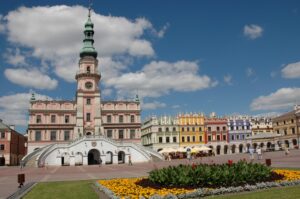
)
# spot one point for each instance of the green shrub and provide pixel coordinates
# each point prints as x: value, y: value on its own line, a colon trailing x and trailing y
x: 204, y: 175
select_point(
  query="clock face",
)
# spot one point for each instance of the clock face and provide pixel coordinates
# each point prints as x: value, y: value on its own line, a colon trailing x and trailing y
x: 88, y: 85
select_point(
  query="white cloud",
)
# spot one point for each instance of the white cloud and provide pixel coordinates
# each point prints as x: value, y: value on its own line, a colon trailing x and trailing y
x: 14, y: 108
x: 228, y: 79
x: 249, y: 72
x: 153, y: 105
x: 30, y: 78
x: 55, y: 34
x: 284, y: 98
x: 253, y: 31
x: 15, y: 58
x: 161, y: 33
x: 107, y: 92
x: 291, y: 71
x: 159, y: 77
x: 176, y: 106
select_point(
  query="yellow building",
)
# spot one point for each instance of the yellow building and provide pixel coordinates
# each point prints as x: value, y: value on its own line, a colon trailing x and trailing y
x: 191, y: 129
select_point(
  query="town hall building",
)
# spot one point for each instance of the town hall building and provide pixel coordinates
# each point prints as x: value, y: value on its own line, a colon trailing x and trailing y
x: 87, y: 121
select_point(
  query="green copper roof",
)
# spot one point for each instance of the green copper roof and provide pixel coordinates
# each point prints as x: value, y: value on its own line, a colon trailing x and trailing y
x: 88, y: 42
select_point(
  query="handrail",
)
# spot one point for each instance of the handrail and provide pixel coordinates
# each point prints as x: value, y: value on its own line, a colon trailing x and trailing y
x: 151, y: 151
x: 26, y: 158
x: 42, y: 155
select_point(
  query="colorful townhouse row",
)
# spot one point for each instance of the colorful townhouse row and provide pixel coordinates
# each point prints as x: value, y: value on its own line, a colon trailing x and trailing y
x: 225, y: 135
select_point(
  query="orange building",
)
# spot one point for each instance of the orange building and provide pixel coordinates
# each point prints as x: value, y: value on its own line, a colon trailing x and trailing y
x: 191, y: 129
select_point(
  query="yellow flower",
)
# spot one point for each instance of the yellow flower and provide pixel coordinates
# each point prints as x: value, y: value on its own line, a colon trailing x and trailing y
x: 129, y: 187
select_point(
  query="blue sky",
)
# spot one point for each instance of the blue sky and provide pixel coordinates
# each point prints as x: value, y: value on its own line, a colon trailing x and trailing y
x: 180, y: 56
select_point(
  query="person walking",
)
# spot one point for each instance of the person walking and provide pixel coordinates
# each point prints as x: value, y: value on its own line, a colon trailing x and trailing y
x: 129, y: 160
x: 251, y: 151
x: 287, y: 150
x: 259, y: 153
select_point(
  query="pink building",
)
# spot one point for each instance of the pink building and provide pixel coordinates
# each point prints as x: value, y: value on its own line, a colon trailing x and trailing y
x: 64, y: 121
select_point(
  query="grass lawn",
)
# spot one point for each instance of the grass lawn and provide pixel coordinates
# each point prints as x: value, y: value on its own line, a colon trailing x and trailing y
x: 274, y: 193
x: 57, y: 190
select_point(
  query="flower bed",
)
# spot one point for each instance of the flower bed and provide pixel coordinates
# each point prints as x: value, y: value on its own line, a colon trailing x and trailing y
x: 144, y: 188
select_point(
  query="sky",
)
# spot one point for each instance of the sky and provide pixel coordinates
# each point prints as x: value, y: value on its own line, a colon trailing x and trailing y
x: 228, y: 57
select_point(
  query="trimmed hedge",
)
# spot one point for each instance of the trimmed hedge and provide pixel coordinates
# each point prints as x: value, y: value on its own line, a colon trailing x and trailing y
x: 204, y: 175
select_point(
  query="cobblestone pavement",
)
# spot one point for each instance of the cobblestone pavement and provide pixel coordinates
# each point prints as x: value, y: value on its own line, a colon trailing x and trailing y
x: 8, y: 175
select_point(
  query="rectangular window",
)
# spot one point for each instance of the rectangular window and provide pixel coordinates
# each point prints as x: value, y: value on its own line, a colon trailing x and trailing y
x: 121, y: 134
x: 292, y: 121
x: 53, y: 118
x: 2, y: 134
x: 182, y: 129
x: 218, y: 128
x: 209, y: 128
x: 193, y: 129
x: 285, y: 132
x: 194, y: 139
x: 1, y: 147
x: 132, y: 118
x: 293, y: 131
x: 160, y: 140
x: 167, y: 139
x: 167, y: 129
x: 159, y: 129
x: 224, y: 128
x: 200, y: 138
x: 243, y: 137
x: 188, y: 139
x: 88, y: 117
x: 224, y: 137
x: 109, y: 133
x: 232, y: 137
x: 38, y: 119
x: 132, y: 133
x: 53, y: 135
x: 200, y: 129
x: 209, y: 138
x: 67, y: 119
x: 121, y: 119
x: 174, y: 139
x: 37, y: 135
x: 182, y: 139
x: 88, y: 101
x: 108, y: 118
x: 218, y: 137
x: 67, y: 135
x: 174, y: 129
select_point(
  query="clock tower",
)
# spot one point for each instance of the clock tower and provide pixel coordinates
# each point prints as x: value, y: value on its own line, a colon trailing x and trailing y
x: 88, y: 110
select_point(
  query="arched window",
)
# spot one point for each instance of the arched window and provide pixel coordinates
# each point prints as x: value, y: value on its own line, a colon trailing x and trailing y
x: 88, y: 69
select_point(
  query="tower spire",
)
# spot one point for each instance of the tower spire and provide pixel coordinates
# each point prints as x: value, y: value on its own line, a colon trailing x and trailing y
x: 88, y: 47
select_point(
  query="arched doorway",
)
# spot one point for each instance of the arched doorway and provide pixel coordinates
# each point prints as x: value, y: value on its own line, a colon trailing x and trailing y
x: 88, y: 134
x: 295, y: 142
x: 2, y: 161
x: 121, y: 157
x: 93, y: 157
x: 262, y: 145
x: 109, y: 157
x: 287, y: 143
x: 78, y: 158
x: 218, y: 149
x: 248, y: 147
x: 241, y: 147
x: 269, y: 145
x: 233, y: 148
x: 65, y: 159
x: 225, y: 149
x: 254, y: 146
